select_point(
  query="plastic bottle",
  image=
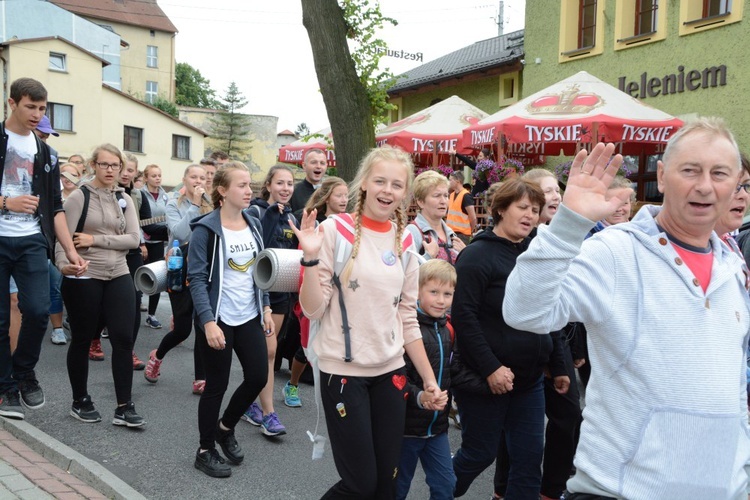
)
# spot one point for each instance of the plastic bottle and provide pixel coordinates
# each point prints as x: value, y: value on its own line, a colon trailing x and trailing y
x: 174, y: 268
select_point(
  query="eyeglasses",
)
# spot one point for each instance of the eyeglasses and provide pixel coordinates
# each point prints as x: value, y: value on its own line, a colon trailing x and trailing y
x: 107, y: 166
x: 77, y: 162
x: 745, y: 186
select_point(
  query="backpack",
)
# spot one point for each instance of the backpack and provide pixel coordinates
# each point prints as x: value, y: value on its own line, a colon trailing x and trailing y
x: 342, y: 251
x: 85, y: 209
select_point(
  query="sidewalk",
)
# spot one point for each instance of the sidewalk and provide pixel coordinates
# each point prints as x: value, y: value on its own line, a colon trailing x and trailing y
x: 33, y: 465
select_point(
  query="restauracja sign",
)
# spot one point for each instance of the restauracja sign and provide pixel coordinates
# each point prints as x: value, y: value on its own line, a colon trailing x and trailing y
x: 674, y: 83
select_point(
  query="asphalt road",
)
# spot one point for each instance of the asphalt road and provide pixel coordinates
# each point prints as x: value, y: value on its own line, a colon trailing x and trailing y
x: 158, y: 460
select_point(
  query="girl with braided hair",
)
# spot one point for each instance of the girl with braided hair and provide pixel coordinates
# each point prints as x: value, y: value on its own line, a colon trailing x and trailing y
x: 362, y: 373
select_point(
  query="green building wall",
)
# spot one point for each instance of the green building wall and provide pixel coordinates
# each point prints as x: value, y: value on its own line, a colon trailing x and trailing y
x: 725, y: 45
x: 483, y: 93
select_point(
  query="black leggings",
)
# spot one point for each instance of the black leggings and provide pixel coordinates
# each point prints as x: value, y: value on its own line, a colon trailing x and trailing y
x: 365, y: 417
x: 155, y: 254
x: 135, y: 260
x: 182, y: 311
x: 87, y: 300
x: 249, y: 343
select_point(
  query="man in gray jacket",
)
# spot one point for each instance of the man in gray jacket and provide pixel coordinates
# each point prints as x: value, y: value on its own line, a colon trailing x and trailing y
x: 667, y: 313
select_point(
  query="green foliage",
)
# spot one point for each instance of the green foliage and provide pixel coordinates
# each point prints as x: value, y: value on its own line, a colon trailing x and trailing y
x: 363, y: 22
x: 229, y: 127
x: 192, y: 89
x: 165, y: 105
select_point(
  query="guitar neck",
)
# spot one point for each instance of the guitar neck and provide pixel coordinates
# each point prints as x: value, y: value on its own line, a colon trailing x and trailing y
x: 153, y: 220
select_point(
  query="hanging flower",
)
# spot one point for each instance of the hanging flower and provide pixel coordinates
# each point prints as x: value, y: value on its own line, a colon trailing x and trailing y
x: 445, y: 170
x: 482, y: 169
x: 506, y: 168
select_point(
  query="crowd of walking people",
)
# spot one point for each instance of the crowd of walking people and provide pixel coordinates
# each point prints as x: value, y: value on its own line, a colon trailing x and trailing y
x: 403, y: 321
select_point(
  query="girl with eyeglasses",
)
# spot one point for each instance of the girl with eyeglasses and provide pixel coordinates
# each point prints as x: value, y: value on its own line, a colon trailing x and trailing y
x: 103, y: 231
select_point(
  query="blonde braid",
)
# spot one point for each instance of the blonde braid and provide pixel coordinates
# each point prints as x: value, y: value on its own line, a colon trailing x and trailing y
x: 359, y: 209
x: 400, y: 225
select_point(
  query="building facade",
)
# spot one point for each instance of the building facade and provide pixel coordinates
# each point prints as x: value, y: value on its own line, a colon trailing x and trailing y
x: 487, y: 74
x: 686, y: 58
x: 148, y: 39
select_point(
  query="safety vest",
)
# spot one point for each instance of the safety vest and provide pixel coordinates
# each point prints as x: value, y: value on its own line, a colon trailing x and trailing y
x: 457, y: 219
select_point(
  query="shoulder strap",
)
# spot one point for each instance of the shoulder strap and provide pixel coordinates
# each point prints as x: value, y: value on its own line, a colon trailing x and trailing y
x: 84, y: 210
x: 257, y: 209
x: 449, y: 326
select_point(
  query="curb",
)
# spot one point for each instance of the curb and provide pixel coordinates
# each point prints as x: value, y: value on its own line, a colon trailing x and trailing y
x: 93, y: 473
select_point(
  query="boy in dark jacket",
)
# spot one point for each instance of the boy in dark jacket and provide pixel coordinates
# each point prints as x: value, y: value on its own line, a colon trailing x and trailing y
x: 426, y: 430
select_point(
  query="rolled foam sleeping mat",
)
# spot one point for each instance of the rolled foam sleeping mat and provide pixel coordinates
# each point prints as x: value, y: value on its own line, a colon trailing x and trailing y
x: 151, y: 279
x: 277, y: 270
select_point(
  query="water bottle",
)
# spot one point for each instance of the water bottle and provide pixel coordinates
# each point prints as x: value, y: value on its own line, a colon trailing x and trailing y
x: 174, y: 268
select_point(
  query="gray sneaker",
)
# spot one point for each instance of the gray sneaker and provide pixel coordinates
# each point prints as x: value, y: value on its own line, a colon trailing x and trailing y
x: 10, y: 405
x: 32, y: 396
x: 58, y: 337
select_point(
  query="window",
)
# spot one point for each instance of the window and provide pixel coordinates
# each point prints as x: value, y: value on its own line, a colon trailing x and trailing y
x: 57, y: 62
x: 60, y: 116
x: 133, y: 139
x: 638, y: 22
x: 645, y: 16
x: 700, y: 15
x: 181, y: 147
x: 579, y: 36
x: 152, y: 91
x: 716, y: 7
x: 508, y: 88
x: 587, y: 24
x: 152, y: 56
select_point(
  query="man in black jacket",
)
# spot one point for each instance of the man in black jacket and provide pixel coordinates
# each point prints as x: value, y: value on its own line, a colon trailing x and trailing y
x: 31, y: 217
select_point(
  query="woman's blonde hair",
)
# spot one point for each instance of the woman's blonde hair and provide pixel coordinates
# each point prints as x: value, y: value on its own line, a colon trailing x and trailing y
x: 205, y: 205
x: 223, y: 178
x: 320, y: 197
x: 357, y: 196
x: 537, y: 174
x: 106, y: 148
x: 428, y: 181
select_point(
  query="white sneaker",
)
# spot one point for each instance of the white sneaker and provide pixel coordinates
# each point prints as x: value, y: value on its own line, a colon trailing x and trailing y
x: 58, y: 337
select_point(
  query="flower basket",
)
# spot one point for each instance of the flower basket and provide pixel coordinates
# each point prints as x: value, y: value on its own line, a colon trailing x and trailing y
x: 445, y: 170
x: 505, y: 168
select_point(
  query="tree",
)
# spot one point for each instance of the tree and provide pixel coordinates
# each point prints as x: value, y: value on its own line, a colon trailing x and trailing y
x: 229, y: 127
x: 351, y: 98
x: 192, y: 89
x: 302, y: 130
x: 166, y: 105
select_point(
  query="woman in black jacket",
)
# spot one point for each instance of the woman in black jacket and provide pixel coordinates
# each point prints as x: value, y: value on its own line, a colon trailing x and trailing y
x: 511, y: 361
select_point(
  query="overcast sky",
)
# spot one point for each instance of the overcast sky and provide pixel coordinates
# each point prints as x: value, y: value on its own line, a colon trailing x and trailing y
x: 263, y: 47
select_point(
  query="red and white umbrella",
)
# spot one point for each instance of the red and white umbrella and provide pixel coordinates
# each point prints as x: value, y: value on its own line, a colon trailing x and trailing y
x: 295, y: 152
x: 438, y: 127
x: 575, y: 112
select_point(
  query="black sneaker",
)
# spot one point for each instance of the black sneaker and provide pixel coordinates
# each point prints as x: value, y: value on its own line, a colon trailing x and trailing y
x: 126, y: 415
x: 211, y: 463
x: 10, y: 405
x: 32, y: 395
x: 84, y: 410
x: 229, y: 445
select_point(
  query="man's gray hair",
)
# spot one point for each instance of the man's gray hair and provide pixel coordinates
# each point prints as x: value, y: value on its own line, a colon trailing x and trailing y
x: 711, y: 125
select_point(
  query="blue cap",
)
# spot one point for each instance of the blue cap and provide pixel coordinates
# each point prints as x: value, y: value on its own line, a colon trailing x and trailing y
x: 45, y: 127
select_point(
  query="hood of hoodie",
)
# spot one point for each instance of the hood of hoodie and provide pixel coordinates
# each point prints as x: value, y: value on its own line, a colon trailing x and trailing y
x: 489, y: 236
x: 260, y: 202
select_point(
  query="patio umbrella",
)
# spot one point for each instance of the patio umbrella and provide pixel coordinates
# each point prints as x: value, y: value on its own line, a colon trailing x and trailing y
x: 437, y: 128
x: 295, y: 152
x: 573, y: 113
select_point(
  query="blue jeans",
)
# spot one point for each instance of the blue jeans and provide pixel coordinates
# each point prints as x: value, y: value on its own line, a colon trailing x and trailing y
x: 55, y: 297
x: 435, y: 455
x: 24, y: 258
x: 520, y: 413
